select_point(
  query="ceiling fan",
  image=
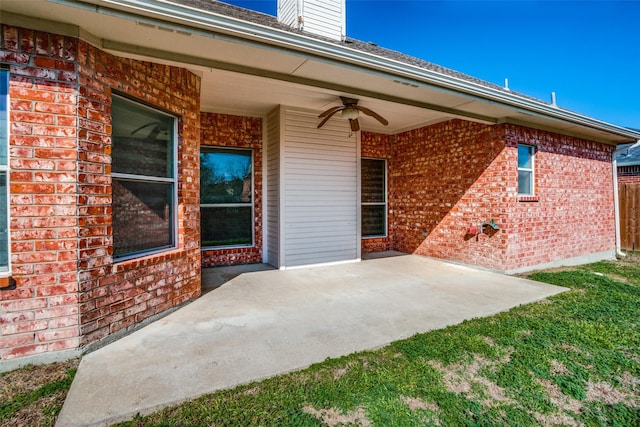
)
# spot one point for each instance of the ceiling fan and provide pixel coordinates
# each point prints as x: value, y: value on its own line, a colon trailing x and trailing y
x: 351, y: 111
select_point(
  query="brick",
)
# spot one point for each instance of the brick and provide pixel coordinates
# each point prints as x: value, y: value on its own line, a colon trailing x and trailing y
x: 10, y: 37
x: 223, y: 130
x: 23, y: 304
x: 16, y: 340
x: 59, y: 128
x: 60, y: 311
x: 64, y: 344
x: 459, y: 191
x: 61, y: 322
x: 51, y: 288
x: 19, y: 293
x: 28, y: 350
x: 12, y: 318
x: 14, y: 58
x: 57, y: 334
x: 19, y: 328
x: 33, y: 95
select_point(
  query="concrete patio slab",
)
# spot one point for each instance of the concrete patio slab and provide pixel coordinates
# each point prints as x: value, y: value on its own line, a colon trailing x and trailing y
x: 263, y: 323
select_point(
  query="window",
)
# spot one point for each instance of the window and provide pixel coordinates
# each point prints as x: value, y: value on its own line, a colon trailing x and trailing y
x: 525, y: 170
x: 143, y: 179
x: 4, y: 171
x: 226, y: 197
x: 374, y: 197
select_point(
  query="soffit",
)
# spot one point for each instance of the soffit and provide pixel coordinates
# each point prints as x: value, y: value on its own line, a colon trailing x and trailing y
x: 246, y: 77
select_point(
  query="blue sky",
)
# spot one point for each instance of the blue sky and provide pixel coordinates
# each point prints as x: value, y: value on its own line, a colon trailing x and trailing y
x: 588, y: 52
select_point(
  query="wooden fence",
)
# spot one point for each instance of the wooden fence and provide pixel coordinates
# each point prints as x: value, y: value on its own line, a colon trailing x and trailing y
x: 629, y: 194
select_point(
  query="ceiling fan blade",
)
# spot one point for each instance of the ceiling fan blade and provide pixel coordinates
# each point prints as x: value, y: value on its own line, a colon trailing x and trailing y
x: 330, y: 111
x: 373, y: 114
x: 355, y: 126
x: 328, y: 117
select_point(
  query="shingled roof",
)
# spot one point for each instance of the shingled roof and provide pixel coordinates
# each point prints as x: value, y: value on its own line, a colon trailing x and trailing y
x: 627, y: 156
x: 263, y: 19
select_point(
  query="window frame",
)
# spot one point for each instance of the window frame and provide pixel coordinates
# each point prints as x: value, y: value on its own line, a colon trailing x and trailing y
x: 212, y: 148
x: 154, y: 179
x: 531, y: 170
x: 4, y: 167
x: 385, y: 203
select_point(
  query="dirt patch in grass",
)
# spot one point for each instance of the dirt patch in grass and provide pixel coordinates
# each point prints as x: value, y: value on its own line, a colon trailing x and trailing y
x: 414, y: 404
x: 332, y: 417
x: 34, y: 395
x: 630, y: 381
x: 252, y: 391
x: 556, y: 420
x: 604, y: 392
x: 30, y: 378
x: 460, y: 378
x: 339, y: 373
x: 560, y: 399
x: 490, y: 341
x: 43, y: 412
x: 558, y: 368
x: 573, y: 348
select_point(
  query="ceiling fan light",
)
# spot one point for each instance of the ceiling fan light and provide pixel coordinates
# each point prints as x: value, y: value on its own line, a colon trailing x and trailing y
x: 350, y: 113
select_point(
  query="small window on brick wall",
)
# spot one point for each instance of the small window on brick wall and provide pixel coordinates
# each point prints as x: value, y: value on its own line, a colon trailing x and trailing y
x: 143, y: 179
x: 374, y: 197
x: 4, y: 172
x: 226, y: 197
x: 525, y: 170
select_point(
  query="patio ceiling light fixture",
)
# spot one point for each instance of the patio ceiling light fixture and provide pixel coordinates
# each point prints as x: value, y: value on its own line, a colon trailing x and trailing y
x: 350, y: 110
x: 350, y: 113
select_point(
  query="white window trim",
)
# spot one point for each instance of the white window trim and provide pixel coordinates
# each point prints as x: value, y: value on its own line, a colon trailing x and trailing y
x: 4, y: 74
x: 530, y: 170
x: 152, y: 179
x: 385, y: 203
x: 234, y: 205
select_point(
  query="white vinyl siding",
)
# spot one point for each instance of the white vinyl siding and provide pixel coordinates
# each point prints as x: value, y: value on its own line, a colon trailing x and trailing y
x: 322, y: 17
x: 273, y: 188
x: 288, y: 12
x: 320, y: 191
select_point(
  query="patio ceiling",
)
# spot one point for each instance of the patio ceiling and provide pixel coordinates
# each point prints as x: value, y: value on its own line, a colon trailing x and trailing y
x: 250, y: 75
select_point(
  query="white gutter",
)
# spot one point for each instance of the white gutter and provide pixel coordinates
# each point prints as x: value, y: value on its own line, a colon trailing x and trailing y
x: 243, y: 31
x: 616, y: 198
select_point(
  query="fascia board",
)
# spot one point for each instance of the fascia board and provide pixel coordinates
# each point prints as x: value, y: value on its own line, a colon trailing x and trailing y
x: 240, y: 30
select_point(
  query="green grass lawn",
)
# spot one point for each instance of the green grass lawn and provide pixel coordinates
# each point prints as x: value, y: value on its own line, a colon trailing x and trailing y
x: 573, y: 359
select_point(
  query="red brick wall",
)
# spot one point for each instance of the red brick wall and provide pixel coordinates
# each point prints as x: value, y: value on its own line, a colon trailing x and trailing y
x: 69, y: 291
x: 628, y: 174
x: 41, y: 314
x: 448, y: 177
x: 378, y: 146
x: 454, y: 175
x: 222, y: 130
x: 117, y: 295
x: 574, y: 214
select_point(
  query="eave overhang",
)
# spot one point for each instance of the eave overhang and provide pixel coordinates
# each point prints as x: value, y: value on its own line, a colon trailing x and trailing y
x: 503, y: 106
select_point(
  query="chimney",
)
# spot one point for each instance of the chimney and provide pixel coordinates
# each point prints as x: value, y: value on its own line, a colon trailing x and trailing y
x: 321, y: 17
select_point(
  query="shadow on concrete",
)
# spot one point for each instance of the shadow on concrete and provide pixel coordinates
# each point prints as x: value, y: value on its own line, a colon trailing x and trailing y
x: 384, y: 254
x: 214, y: 277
